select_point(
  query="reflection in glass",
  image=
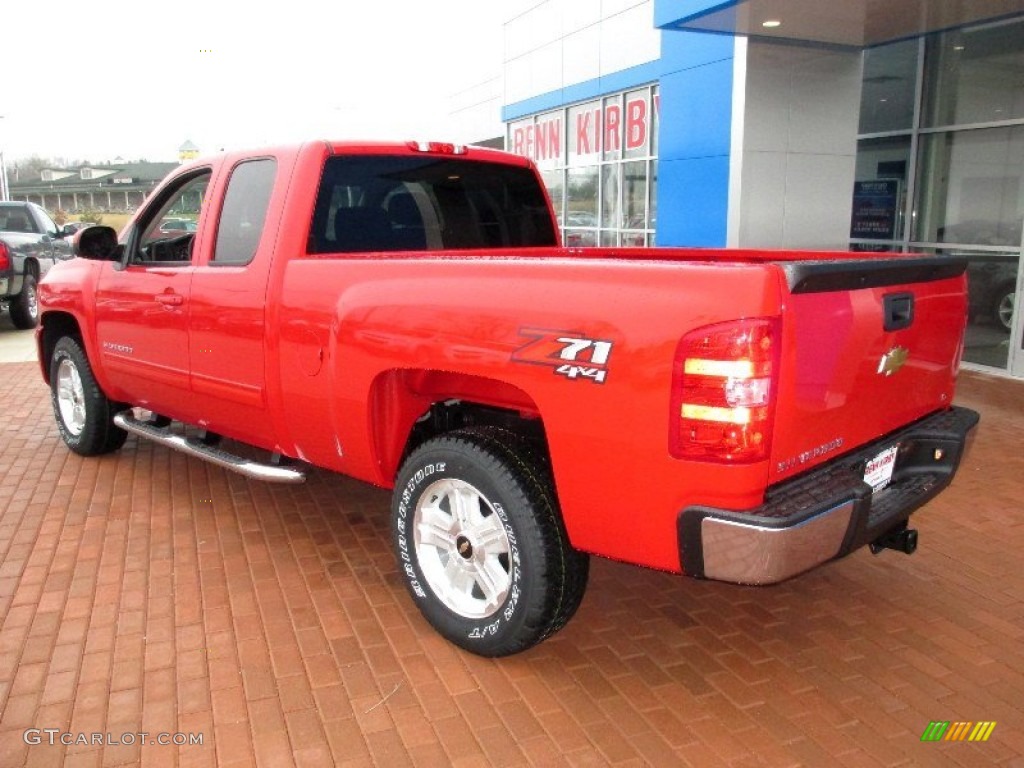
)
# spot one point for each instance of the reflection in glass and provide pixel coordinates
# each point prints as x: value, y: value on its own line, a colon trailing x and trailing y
x: 991, y: 287
x: 880, y: 188
x: 634, y: 195
x: 975, y: 76
x: 887, y: 95
x: 655, y: 119
x: 971, y: 184
x: 581, y: 200
x: 611, y: 212
x: 612, y: 128
x: 555, y: 182
x: 580, y: 238
x: 652, y: 220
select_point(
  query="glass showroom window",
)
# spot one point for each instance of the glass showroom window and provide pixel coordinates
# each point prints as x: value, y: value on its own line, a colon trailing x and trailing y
x: 940, y: 168
x: 598, y: 160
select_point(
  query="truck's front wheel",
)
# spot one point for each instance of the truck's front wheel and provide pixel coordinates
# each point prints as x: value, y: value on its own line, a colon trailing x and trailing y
x: 84, y: 414
x: 481, y: 545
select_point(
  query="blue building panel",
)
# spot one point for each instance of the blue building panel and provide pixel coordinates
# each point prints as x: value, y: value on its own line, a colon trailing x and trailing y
x: 668, y: 13
x: 686, y: 50
x: 693, y: 202
x: 695, y: 138
x: 696, y: 112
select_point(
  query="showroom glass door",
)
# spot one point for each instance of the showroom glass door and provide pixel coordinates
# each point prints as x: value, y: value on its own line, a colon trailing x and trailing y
x: 940, y: 170
x: 1017, y: 336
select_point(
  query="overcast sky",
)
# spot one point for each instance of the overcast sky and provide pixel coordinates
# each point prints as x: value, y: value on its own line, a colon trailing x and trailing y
x: 91, y: 81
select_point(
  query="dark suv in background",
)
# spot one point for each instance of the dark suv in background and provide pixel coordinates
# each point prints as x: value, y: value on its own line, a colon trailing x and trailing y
x: 30, y: 243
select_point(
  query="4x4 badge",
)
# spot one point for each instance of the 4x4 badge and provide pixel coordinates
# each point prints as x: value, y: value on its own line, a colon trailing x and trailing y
x: 570, y: 354
x: 893, y: 360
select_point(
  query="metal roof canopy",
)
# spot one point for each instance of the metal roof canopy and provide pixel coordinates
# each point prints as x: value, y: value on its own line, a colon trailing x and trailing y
x: 847, y: 23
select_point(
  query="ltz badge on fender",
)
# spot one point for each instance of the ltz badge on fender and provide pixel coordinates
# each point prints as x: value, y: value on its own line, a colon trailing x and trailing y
x: 570, y: 354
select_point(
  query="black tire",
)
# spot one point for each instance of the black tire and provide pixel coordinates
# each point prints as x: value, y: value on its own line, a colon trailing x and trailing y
x: 84, y: 414
x: 25, y: 306
x: 537, y: 579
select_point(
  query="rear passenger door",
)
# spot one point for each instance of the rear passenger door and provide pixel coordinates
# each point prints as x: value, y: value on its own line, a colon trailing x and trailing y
x: 227, y: 331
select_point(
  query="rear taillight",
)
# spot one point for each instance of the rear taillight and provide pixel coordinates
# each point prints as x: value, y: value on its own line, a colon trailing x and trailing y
x: 5, y: 257
x: 723, y: 388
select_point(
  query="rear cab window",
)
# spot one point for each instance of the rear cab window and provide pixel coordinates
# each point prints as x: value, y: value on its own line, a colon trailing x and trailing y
x: 369, y: 203
x: 245, y: 212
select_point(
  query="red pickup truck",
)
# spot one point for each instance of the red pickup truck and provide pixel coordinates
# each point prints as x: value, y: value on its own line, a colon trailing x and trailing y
x: 404, y: 314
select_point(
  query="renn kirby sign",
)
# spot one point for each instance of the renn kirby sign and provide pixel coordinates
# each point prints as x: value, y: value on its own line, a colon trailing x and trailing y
x: 583, y: 133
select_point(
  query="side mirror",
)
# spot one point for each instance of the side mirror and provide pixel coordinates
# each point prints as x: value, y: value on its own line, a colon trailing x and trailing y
x: 67, y: 230
x: 98, y: 243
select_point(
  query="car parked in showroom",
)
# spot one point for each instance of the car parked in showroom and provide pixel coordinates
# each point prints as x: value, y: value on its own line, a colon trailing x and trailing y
x: 992, y: 286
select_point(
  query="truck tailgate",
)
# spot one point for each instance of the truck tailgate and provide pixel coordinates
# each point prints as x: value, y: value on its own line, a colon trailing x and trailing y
x: 869, y: 346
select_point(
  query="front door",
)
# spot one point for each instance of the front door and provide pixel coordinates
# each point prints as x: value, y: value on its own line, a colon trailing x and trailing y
x: 142, y: 305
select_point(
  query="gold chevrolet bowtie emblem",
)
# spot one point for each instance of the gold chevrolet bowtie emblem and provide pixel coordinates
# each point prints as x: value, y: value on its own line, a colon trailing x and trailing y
x: 893, y: 360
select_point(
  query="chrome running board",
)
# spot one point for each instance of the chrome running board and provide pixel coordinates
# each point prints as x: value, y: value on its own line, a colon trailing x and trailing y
x: 194, y: 447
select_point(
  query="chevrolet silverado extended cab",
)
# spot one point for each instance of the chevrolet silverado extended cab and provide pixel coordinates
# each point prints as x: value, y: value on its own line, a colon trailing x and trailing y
x: 30, y: 243
x: 404, y: 314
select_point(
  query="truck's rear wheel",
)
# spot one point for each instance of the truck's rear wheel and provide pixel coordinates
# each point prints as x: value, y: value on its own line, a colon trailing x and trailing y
x: 480, y: 543
x: 25, y: 306
x: 84, y: 414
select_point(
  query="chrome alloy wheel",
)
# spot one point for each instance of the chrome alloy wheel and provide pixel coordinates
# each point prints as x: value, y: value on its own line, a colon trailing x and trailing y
x: 1004, y: 311
x: 71, y: 397
x: 32, y: 301
x: 463, y: 548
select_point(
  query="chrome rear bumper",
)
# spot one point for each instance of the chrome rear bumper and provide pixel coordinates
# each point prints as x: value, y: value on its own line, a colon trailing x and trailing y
x: 827, y: 512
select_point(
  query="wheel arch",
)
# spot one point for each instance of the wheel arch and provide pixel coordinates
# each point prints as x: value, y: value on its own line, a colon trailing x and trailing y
x: 409, y: 406
x: 53, y: 327
x: 31, y: 266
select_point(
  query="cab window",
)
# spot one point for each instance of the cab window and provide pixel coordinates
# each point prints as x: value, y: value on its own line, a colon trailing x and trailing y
x: 166, y: 233
x: 245, y: 212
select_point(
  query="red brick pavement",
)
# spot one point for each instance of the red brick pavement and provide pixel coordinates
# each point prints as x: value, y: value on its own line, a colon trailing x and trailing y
x: 146, y: 591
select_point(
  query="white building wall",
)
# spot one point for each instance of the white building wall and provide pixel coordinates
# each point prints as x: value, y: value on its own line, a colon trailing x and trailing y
x: 796, y: 157
x: 476, y: 112
x: 558, y: 43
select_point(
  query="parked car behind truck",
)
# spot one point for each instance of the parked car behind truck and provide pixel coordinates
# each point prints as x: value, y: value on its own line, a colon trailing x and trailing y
x: 30, y: 243
x: 404, y: 314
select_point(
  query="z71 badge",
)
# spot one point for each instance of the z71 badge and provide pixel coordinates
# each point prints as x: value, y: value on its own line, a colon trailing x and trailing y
x: 569, y: 353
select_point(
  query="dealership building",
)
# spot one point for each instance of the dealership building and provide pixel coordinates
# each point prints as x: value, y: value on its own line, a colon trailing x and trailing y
x: 804, y: 124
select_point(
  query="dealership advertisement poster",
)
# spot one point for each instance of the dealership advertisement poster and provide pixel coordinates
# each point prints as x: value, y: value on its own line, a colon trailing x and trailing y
x: 875, y: 207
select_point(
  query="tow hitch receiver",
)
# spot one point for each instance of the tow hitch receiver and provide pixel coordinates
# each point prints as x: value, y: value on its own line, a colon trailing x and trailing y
x: 903, y: 540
